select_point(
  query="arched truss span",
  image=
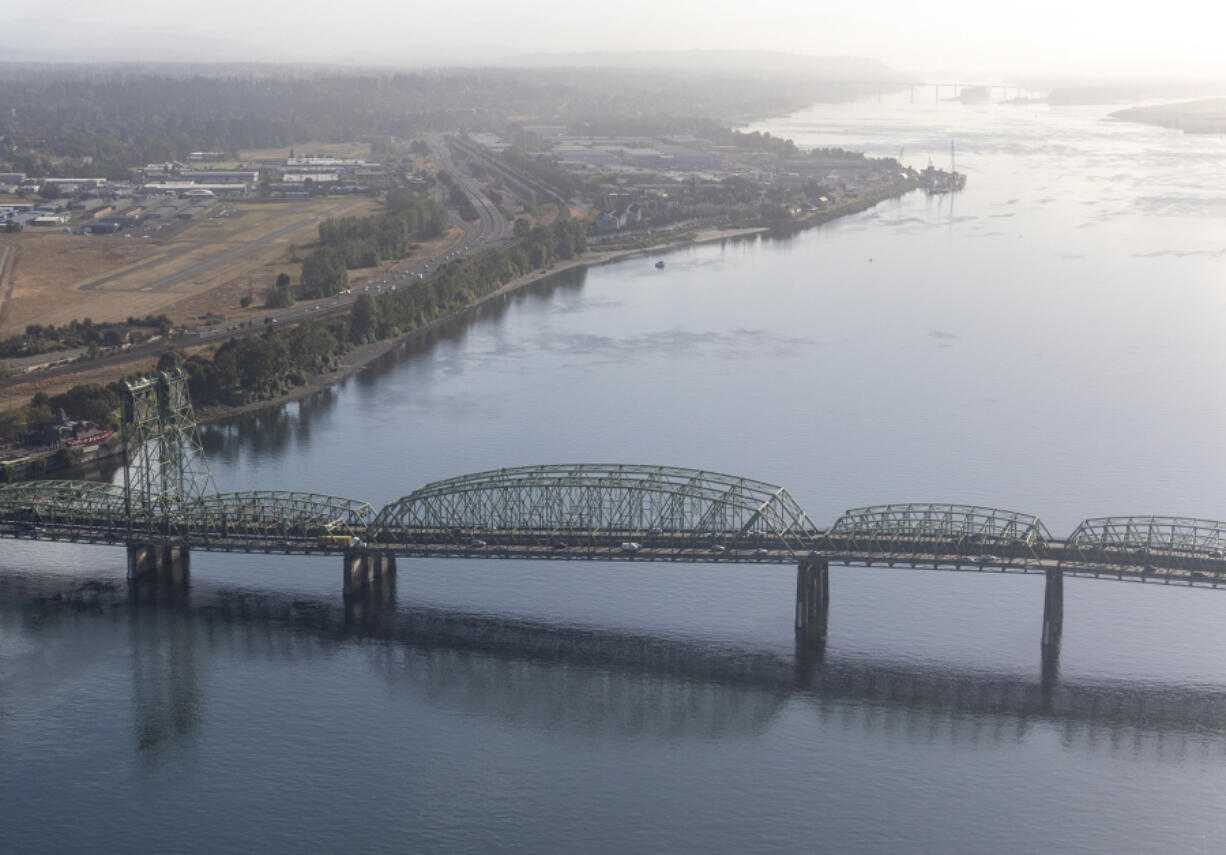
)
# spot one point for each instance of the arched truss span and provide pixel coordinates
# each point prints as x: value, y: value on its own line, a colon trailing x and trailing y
x: 938, y: 530
x: 657, y: 505
x: 1161, y: 541
x: 276, y: 516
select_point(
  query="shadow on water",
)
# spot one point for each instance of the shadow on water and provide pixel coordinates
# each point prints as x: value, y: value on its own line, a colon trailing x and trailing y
x: 592, y: 680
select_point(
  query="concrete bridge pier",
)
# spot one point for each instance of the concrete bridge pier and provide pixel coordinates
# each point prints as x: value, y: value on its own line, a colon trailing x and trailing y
x: 1053, y: 609
x: 812, y: 598
x: 158, y: 572
x: 163, y: 562
x: 370, y: 576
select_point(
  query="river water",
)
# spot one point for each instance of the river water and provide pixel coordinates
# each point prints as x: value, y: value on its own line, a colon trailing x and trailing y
x: 1048, y: 341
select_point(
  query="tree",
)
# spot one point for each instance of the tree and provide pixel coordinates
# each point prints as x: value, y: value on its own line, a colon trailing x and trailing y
x: 170, y: 358
x: 324, y: 273
x: 364, y: 321
x: 89, y: 402
x: 12, y: 426
x: 522, y: 227
x: 281, y: 294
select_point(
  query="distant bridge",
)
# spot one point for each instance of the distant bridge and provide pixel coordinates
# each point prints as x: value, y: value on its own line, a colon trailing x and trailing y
x: 168, y: 507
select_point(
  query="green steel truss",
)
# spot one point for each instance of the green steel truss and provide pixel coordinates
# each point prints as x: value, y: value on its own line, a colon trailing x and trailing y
x: 74, y: 509
x: 938, y: 530
x: 666, y: 506
x: 164, y: 466
x: 262, y: 519
x: 1192, y: 544
x: 275, y: 518
x: 673, y: 513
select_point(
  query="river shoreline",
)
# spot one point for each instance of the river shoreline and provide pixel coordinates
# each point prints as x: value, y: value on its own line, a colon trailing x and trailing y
x: 358, y: 358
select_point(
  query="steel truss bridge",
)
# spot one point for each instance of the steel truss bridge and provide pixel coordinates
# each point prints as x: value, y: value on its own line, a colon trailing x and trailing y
x: 621, y: 512
x: 169, y: 507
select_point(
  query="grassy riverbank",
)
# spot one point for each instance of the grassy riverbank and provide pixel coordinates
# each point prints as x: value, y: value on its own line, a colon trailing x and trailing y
x: 353, y: 356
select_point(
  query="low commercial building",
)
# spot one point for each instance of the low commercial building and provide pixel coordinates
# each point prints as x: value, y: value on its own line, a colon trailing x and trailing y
x: 315, y: 177
x: 80, y: 182
x: 219, y: 176
x: 186, y: 187
x: 86, y: 205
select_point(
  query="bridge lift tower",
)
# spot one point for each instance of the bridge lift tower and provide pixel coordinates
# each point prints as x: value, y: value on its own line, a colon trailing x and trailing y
x: 164, y: 471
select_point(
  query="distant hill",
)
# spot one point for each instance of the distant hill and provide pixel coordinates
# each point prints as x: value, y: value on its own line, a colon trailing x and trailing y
x: 832, y: 68
x: 1206, y: 116
x: 1132, y: 92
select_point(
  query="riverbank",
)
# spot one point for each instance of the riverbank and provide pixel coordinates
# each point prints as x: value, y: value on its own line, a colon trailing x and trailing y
x: 1206, y: 116
x: 361, y: 356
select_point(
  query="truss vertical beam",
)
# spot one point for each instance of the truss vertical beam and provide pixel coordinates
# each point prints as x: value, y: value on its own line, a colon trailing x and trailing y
x: 165, y: 472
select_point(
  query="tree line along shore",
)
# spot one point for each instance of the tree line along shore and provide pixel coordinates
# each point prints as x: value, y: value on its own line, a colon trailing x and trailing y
x: 280, y: 363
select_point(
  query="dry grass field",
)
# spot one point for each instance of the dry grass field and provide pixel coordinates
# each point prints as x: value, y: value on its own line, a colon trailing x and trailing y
x: 210, y: 265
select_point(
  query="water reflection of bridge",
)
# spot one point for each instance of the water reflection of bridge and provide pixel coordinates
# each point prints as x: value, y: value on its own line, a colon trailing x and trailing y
x: 598, y: 681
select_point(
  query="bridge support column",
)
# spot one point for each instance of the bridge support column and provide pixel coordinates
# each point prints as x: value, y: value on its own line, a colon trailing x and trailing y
x: 1053, y: 609
x: 370, y: 576
x: 369, y: 586
x: 165, y: 562
x: 812, y: 598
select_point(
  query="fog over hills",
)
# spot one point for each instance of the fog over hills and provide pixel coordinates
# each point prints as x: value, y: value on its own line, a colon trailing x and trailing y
x: 739, y: 61
x: 949, y: 38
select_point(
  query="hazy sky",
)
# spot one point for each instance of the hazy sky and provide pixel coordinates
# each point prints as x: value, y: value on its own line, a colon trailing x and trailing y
x: 1178, y: 37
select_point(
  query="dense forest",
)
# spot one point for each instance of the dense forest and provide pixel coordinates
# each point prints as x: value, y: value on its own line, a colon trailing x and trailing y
x: 54, y: 120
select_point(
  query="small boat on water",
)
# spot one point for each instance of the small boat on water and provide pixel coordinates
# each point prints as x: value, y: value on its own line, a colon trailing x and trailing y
x: 659, y: 265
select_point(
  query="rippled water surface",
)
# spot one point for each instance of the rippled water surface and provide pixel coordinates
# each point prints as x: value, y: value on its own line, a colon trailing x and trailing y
x: 1048, y: 341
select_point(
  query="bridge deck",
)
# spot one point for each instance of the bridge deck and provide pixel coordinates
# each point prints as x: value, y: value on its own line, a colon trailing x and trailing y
x: 558, y: 545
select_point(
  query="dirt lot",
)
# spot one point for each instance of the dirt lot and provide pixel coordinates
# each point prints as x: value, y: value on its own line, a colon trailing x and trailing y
x: 208, y: 266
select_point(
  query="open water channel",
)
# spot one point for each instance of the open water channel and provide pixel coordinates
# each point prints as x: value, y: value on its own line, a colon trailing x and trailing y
x: 1049, y: 341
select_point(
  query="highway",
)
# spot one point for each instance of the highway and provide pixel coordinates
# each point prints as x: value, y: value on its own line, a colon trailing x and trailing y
x: 514, y: 176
